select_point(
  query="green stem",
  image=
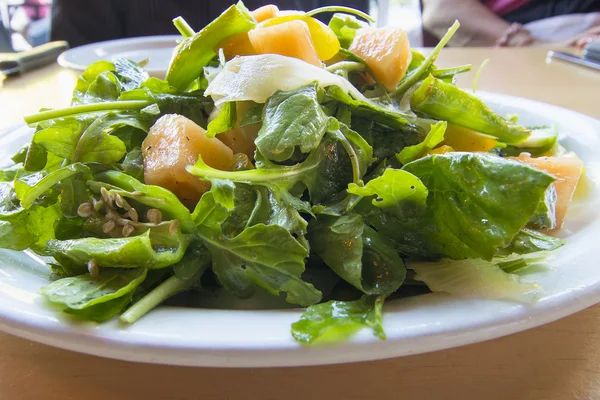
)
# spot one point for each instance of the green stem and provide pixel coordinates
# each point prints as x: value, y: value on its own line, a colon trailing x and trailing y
x: 347, y: 66
x: 478, y: 73
x: 86, y: 109
x: 347, y: 10
x: 351, y: 153
x: 158, y: 295
x: 418, y: 73
x: 449, y: 72
x: 183, y: 27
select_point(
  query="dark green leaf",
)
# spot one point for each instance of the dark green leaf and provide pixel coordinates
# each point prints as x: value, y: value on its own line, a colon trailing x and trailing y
x: 291, y: 119
x: 530, y: 241
x: 97, y: 299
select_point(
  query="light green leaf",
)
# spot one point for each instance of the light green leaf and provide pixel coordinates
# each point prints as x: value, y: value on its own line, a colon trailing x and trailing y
x: 434, y: 137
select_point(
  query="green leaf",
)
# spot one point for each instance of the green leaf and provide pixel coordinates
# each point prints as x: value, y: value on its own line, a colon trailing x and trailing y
x: 476, y: 204
x: 61, y: 137
x: 131, y: 75
x: 157, y: 248
x: 74, y: 193
x: 377, y: 111
x: 36, y: 158
x: 344, y: 26
x: 20, y: 228
x: 446, y: 102
x: 96, y: 144
x: 224, y: 121
x: 357, y: 253
x: 87, y: 78
x: 133, y: 164
x: 434, y: 137
x: 336, y: 321
x: 291, y: 119
x: 394, y: 188
x: 195, y: 52
x: 530, y: 241
x: 324, y: 172
x: 29, y: 188
x: 99, y: 298
x: 474, y: 278
x: 261, y: 255
x: 253, y: 116
x: 545, y: 213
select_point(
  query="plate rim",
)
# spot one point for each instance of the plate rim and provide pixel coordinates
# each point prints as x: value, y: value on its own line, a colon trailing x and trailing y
x: 84, y: 338
x: 63, y: 58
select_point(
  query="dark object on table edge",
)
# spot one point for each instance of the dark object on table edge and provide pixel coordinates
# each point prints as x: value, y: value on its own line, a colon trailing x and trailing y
x: 18, y: 63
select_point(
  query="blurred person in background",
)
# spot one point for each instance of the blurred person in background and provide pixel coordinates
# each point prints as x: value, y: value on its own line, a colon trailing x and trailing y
x: 515, y: 23
x: 81, y: 22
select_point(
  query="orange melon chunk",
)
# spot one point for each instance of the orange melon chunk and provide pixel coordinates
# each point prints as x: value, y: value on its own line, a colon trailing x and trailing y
x: 567, y: 171
x: 290, y: 39
x: 237, y: 45
x: 265, y: 12
x: 175, y: 142
x: 463, y: 139
x: 386, y: 51
x: 241, y: 139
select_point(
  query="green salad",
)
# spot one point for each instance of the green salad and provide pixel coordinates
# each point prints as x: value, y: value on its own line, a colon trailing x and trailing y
x: 332, y: 165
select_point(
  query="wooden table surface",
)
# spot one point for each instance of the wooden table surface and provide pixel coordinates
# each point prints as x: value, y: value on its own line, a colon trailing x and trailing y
x: 560, y: 360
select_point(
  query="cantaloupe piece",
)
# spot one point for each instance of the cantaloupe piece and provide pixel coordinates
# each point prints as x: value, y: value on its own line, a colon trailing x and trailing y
x: 175, y: 142
x: 386, y: 51
x: 237, y: 45
x: 265, y: 12
x: 241, y: 139
x: 323, y: 38
x: 567, y: 170
x: 290, y: 39
x: 463, y: 139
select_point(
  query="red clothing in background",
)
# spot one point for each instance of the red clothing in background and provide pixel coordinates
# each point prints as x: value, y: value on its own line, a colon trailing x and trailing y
x: 502, y: 7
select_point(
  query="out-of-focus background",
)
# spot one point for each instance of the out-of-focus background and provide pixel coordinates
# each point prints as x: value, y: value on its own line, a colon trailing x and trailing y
x: 27, y: 23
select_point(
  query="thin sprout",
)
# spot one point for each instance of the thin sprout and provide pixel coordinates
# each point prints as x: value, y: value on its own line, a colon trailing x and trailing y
x: 183, y: 27
x: 478, y: 73
x: 86, y: 109
x: 347, y: 10
x: 418, y: 73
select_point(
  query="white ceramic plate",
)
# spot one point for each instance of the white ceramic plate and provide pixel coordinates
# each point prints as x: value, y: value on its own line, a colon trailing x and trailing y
x: 261, y: 337
x: 157, y: 49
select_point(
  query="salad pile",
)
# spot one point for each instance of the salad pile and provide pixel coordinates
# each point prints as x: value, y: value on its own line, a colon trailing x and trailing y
x: 331, y: 165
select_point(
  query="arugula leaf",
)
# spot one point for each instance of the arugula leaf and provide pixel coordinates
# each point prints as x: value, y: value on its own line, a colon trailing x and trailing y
x: 154, y: 249
x: 195, y: 52
x: 324, y: 172
x: 530, y: 241
x: 291, y: 119
x: 475, y: 278
x: 87, y: 78
x: 8, y: 174
x: 21, y: 229
x: 133, y: 164
x: 74, y: 193
x: 36, y: 158
x: 434, y: 137
x: 261, y: 255
x: 61, y: 137
x: 344, y: 26
x: 394, y: 189
x: 357, y: 253
x: 254, y: 115
x: 336, y: 321
x: 377, y: 111
x: 224, y: 121
x: 97, y: 299
x: 131, y: 74
x: 446, y: 102
x: 29, y: 187
x: 476, y: 204
x: 97, y: 145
